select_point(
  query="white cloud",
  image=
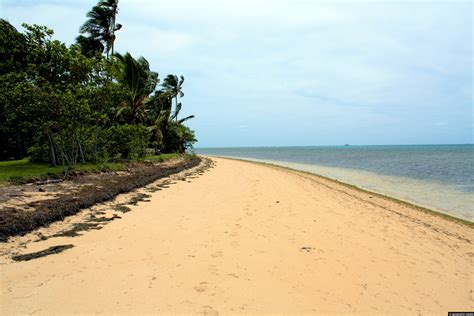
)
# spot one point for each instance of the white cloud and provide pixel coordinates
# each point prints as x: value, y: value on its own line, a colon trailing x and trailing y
x: 149, y: 40
x: 308, y: 63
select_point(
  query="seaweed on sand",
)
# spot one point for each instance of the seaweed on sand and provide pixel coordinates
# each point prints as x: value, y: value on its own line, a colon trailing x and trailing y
x: 122, y: 208
x: 77, y: 228
x: 42, y: 253
x: 139, y: 198
x: 17, y: 222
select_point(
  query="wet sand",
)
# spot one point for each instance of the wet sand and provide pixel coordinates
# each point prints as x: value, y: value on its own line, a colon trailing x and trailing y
x: 248, y: 238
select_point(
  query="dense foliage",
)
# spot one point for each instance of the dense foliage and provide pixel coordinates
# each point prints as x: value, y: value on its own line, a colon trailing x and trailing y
x: 70, y: 105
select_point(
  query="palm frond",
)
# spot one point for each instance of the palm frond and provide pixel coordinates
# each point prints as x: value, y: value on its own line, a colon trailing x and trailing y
x: 177, y: 110
x: 185, y: 119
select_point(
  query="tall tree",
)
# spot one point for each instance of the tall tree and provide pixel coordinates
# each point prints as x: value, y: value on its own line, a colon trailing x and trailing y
x: 169, y: 135
x: 139, y: 82
x: 89, y: 46
x: 173, y: 85
x: 101, y: 24
x: 15, y: 91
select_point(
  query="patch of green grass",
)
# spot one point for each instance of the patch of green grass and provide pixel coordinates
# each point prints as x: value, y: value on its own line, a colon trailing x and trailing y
x: 162, y: 157
x: 22, y: 171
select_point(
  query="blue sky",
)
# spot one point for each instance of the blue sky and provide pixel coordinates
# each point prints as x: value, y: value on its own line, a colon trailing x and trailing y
x: 275, y: 72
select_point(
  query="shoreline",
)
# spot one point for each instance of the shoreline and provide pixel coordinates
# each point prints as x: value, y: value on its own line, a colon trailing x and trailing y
x: 243, y: 238
x: 426, y: 209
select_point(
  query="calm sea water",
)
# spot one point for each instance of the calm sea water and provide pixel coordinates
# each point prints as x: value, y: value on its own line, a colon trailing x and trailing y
x: 436, y: 176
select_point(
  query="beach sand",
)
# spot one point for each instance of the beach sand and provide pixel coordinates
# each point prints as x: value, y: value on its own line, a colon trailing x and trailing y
x: 249, y: 238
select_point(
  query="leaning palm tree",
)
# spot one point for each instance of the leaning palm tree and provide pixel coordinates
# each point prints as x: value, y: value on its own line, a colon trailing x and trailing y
x: 101, y: 24
x: 139, y: 82
x: 114, y: 26
x: 161, y: 118
x: 173, y: 85
x: 159, y: 113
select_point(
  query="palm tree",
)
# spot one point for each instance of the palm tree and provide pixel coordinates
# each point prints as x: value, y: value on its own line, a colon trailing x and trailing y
x: 101, y: 24
x: 139, y: 82
x: 173, y: 85
x: 89, y: 45
x: 159, y: 111
x: 162, y: 119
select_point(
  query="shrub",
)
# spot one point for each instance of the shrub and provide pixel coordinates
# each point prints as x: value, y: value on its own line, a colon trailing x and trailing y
x: 126, y: 141
x: 177, y: 138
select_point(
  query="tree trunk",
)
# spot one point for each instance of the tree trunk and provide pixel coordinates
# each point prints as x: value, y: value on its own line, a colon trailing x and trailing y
x: 176, y: 107
x: 113, y: 40
x: 80, y: 149
x: 51, y: 146
x: 113, y: 31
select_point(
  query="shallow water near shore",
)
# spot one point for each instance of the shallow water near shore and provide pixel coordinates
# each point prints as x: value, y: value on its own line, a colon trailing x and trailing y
x: 440, y: 177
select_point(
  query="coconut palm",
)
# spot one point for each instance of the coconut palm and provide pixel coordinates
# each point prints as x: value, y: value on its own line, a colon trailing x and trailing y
x: 89, y: 45
x: 162, y: 121
x: 101, y: 24
x: 139, y: 82
x: 159, y: 111
x: 173, y: 85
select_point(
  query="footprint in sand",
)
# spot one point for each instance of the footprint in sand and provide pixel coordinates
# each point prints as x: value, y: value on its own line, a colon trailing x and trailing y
x: 150, y: 284
x: 213, y: 269
x: 208, y: 310
x: 201, y: 287
x: 216, y: 254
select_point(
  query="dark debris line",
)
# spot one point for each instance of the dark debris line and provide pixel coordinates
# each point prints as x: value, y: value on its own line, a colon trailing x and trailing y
x: 42, y: 253
x: 17, y: 222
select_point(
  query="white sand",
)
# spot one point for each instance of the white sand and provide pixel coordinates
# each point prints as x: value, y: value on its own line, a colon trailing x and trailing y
x: 247, y: 238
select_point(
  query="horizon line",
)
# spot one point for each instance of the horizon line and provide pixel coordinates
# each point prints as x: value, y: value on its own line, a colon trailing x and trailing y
x: 344, y: 145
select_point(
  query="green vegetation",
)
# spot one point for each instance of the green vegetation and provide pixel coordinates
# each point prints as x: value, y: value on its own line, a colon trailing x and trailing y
x: 164, y: 157
x: 23, y: 171
x: 83, y: 106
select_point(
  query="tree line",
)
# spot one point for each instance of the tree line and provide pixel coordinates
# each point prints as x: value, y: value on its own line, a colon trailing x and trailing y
x: 84, y: 103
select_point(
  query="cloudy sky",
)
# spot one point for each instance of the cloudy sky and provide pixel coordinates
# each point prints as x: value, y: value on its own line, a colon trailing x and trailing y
x: 286, y: 72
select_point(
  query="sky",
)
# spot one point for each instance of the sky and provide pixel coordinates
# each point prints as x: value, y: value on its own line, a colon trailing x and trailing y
x: 298, y: 73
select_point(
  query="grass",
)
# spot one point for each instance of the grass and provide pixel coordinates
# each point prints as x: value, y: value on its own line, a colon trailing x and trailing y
x: 162, y: 157
x: 23, y: 171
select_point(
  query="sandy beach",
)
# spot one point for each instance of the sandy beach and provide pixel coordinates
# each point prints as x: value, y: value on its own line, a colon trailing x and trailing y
x: 249, y: 238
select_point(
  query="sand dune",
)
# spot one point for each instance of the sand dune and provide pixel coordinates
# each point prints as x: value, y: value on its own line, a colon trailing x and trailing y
x: 247, y: 238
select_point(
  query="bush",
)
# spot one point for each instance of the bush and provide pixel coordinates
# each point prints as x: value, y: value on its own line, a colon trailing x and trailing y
x: 39, y: 153
x: 177, y: 138
x: 126, y: 141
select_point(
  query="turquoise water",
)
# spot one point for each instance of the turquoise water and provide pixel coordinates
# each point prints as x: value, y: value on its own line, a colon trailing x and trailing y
x: 436, y: 176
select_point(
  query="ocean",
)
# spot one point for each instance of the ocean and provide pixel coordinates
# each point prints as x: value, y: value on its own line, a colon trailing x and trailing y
x: 439, y: 177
